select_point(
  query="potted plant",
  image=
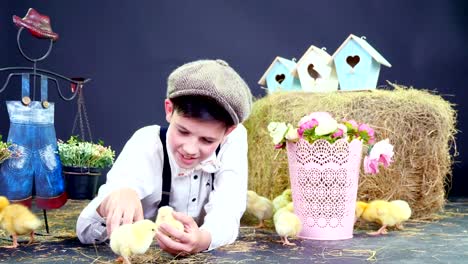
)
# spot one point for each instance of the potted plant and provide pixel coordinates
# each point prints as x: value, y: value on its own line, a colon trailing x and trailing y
x: 324, y: 159
x: 5, y: 152
x: 82, y: 164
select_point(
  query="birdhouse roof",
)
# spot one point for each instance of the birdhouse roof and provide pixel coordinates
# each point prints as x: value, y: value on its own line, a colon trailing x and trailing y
x: 326, y: 58
x: 367, y: 47
x: 290, y: 65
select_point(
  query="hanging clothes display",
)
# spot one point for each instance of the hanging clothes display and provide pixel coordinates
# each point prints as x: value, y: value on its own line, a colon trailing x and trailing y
x: 36, y: 170
x: 32, y: 134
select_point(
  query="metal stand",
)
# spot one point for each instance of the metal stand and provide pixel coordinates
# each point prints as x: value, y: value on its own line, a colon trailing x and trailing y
x: 36, y: 72
x: 45, y: 221
x: 48, y: 75
x: 81, y: 117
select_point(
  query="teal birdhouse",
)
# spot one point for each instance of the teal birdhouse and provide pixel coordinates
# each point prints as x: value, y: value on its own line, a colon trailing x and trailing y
x: 357, y: 64
x: 279, y: 77
x: 316, y: 72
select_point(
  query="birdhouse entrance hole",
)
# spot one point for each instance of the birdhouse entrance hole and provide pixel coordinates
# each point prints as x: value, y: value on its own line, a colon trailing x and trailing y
x: 280, y: 78
x: 353, y: 60
x: 313, y: 73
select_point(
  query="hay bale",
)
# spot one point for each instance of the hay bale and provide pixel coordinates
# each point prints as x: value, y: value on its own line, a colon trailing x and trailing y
x: 420, y: 125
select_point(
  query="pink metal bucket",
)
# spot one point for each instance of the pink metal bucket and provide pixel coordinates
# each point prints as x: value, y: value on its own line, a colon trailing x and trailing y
x: 324, y: 181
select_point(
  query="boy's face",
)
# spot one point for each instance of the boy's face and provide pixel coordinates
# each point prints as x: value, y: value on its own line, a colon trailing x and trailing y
x: 193, y: 140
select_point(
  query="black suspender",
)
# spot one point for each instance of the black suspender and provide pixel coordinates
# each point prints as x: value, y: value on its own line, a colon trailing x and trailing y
x: 167, y: 175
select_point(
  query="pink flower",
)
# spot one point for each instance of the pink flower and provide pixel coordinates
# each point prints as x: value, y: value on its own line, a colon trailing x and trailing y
x: 338, y: 133
x: 367, y: 128
x: 341, y: 131
x: 315, y: 115
x: 371, y: 166
x: 353, y: 124
x: 369, y: 131
x: 307, y: 125
x: 381, y: 153
x: 323, y: 122
x: 384, y: 150
x: 280, y: 145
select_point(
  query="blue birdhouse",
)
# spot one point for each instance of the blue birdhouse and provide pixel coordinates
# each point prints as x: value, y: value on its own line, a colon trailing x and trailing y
x: 357, y: 64
x: 279, y: 77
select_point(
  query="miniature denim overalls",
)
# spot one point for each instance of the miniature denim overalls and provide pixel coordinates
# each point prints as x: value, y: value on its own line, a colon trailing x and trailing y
x: 37, y: 164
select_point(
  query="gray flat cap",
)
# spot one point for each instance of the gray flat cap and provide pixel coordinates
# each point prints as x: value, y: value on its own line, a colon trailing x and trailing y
x: 215, y: 79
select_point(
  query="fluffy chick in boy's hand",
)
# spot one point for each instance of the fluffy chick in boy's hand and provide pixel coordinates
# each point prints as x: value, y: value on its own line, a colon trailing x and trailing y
x: 261, y: 207
x: 17, y: 220
x: 287, y: 224
x: 283, y: 199
x: 132, y: 239
x: 385, y: 213
x: 165, y: 216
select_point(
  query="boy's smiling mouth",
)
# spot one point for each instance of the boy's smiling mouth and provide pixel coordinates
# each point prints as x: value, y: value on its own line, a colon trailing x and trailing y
x: 186, y: 160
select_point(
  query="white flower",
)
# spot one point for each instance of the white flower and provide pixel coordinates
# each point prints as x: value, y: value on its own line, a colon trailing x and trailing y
x: 292, y: 133
x: 277, y: 131
x: 326, y: 126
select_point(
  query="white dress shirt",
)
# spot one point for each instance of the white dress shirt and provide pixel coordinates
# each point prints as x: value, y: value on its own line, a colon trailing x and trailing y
x: 140, y: 165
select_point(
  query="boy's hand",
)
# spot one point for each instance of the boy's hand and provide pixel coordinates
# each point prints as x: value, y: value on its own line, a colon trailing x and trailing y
x: 192, y: 240
x: 122, y: 206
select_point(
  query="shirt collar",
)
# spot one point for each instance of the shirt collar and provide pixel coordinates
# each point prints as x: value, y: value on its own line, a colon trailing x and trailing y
x: 210, y: 165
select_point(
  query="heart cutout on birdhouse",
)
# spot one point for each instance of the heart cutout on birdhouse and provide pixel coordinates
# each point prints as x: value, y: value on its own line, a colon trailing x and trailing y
x: 280, y: 78
x: 313, y: 73
x: 353, y: 60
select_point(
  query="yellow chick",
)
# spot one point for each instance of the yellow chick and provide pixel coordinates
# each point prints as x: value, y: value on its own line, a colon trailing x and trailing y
x: 289, y: 207
x: 17, y: 220
x: 283, y: 199
x: 360, y: 207
x: 165, y: 216
x: 287, y: 224
x: 132, y: 239
x: 403, y: 212
x: 261, y: 207
x: 385, y: 213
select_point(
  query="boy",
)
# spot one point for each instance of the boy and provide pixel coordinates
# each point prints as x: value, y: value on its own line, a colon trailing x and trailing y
x: 206, y: 103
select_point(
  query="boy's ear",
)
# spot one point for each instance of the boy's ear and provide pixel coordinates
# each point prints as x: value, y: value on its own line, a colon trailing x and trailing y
x: 229, y: 130
x: 169, y: 107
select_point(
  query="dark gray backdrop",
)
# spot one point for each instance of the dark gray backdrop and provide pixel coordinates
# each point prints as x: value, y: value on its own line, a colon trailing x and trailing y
x: 129, y: 47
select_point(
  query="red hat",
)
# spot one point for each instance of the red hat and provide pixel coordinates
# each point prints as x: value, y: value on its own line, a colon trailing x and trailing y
x: 37, y: 24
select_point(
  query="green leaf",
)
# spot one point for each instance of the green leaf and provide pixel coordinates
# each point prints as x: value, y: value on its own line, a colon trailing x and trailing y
x: 78, y: 153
